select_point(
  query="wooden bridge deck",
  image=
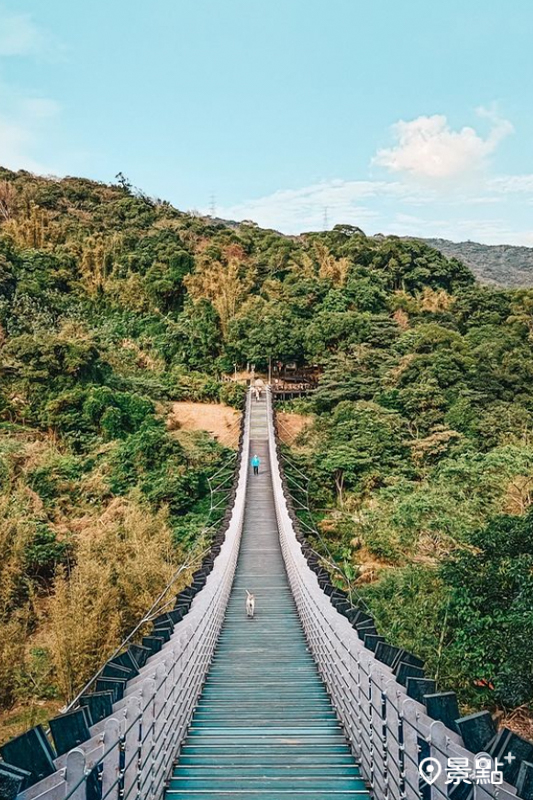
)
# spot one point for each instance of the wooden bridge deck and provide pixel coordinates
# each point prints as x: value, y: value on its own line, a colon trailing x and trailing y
x: 264, y: 728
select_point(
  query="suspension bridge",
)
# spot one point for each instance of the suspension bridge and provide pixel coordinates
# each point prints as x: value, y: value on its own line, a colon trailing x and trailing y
x: 304, y: 700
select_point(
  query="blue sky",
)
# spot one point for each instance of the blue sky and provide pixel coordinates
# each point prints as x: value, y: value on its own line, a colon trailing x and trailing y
x: 406, y: 117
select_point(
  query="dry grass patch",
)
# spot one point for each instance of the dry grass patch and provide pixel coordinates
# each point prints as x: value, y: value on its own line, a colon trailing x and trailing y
x: 290, y: 425
x: 124, y: 558
x: 221, y: 421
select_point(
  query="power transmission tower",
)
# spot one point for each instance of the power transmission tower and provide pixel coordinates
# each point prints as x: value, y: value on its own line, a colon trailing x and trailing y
x: 212, y: 205
x: 326, y: 218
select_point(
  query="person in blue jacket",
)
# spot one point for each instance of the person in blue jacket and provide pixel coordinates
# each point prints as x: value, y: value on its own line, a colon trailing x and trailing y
x: 255, y: 464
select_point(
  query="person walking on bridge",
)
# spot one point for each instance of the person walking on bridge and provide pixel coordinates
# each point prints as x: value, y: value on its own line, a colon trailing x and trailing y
x: 258, y: 388
x: 255, y: 464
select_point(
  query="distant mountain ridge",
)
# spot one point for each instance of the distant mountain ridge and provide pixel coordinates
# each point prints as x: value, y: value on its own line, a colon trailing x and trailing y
x: 500, y: 265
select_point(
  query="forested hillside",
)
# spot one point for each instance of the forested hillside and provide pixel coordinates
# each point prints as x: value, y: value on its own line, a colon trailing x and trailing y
x: 502, y: 265
x: 99, y: 501
x: 420, y: 453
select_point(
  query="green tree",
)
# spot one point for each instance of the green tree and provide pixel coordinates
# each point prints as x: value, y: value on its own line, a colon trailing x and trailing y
x: 491, y: 610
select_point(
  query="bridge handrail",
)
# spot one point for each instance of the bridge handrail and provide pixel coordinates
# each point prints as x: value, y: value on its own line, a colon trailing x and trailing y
x: 386, y: 728
x: 134, y: 749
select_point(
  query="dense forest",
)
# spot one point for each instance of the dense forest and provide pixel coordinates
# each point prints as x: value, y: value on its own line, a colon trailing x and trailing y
x: 419, y: 446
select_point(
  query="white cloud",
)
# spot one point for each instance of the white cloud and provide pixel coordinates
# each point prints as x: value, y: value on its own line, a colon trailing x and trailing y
x: 19, y: 36
x: 450, y: 164
x: 428, y: 148
x: 25, y: 122
x: 512, y: 184
x: 488, y: 231
x: 387, y: 207
x: 16, y: 143
x: 294, y: 210
x: 480, y: 200
x: 39, y: 107
x: 25, y: 118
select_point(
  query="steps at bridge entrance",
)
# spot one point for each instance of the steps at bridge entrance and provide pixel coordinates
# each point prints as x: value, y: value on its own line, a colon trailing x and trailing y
x: 264, y: 727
